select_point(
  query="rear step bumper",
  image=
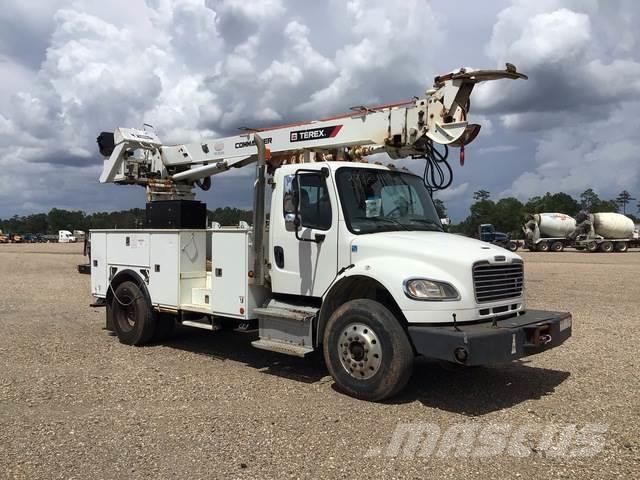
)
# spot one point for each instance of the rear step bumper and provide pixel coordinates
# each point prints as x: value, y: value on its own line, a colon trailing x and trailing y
x: 488, y: 342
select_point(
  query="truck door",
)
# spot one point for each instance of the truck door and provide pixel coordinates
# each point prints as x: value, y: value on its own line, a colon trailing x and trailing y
x: 304, y: 263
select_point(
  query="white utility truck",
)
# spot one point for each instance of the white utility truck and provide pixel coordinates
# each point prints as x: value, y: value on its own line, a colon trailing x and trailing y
x: 353, y: 260
x: 65, y: 236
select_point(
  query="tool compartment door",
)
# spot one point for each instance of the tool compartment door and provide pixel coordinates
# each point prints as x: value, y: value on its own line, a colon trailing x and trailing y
x: 99, y: 283
x: 229, y: 272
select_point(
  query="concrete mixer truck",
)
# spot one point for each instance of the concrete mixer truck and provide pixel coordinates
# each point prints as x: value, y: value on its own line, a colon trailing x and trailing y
x: 605, y: 232
x: 544, y: 232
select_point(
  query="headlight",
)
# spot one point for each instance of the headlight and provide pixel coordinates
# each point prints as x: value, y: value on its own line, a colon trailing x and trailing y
x: 423, y: 289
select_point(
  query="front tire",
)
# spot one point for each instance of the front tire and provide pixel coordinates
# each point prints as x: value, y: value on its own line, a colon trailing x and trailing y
x: 512, y: 246
x: 592, y: 247
x: 133, y: 320
x: 366, y: 350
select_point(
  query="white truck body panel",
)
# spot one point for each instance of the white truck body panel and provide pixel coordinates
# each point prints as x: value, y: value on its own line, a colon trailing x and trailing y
x: 234, y: 294
x: 173, y: 265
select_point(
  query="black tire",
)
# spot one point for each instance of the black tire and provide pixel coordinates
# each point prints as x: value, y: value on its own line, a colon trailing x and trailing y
x: 606, y: 247
x: 165, y: 327
x: 512, y: 246
x: 621, y: 247
x: 543, y: 247
x: 378, y: 329
x: 557, y: 246
x: 592, y: 247
x: 133, y: 320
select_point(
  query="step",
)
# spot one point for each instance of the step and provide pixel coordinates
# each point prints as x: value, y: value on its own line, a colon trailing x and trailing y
x: 204, y: 326
x: 192, y: 307
x: 286, y: 312
x: 280, y: 347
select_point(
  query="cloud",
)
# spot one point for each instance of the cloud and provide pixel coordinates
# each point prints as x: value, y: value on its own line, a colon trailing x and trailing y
x: 601, y: 155
x: 199, y: 69
x: 580, y: 99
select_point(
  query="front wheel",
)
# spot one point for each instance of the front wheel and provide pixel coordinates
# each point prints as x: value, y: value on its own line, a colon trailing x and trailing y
x: 512, y: 246
x: 366, y: 350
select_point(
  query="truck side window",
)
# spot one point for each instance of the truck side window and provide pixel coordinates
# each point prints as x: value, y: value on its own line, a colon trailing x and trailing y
x: 315, y: 206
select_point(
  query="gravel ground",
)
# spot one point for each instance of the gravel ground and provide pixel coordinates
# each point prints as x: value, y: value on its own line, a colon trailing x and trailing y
x: 75, y: 403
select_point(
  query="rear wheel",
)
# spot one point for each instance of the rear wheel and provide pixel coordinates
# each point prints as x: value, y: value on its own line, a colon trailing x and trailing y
x: 366, y: 350
x: 132, y: 319
x: 592, y: 247
x: 543, y: 247
x: 621, y: 247
x: 557, y: 246
x: 606, y: 247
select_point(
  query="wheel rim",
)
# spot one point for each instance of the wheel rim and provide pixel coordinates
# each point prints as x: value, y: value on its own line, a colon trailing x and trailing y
x: 360, y: 351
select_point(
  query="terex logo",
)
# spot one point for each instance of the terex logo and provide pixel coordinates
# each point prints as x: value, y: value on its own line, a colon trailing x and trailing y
x: 314, y: 133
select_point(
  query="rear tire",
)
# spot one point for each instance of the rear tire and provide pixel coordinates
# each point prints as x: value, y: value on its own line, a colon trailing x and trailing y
x: 543, y: 247
x: 606, y: 247
x: 621, y: 247
x: 592, y: 247
x: 133, y: 320
x: 367, y: 351
x: 557, y: 246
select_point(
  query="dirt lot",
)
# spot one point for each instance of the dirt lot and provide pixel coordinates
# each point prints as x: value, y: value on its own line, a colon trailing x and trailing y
x: 75, y: 403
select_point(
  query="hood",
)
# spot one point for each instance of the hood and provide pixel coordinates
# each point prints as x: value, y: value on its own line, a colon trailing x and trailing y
x: 446, y: 247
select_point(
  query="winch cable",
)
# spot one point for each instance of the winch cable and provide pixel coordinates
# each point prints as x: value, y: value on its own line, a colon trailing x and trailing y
x: 438, y: 173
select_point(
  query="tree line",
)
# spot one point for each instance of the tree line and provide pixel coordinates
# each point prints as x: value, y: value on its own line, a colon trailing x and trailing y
x: 507, y: 214
x: 58, y: 219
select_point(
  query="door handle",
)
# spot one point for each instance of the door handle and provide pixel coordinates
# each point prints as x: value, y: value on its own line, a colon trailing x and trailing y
x: 278, y: 256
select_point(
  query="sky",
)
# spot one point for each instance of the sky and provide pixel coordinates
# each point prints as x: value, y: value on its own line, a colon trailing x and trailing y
x: 200, y: 69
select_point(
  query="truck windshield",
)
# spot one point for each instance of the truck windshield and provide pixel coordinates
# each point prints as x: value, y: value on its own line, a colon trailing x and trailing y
x: 379, y: 200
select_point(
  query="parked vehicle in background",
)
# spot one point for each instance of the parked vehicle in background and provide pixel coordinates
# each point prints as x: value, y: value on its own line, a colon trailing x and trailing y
x: 80, y: 235
x: 4, y: 238
x: 65, y: 236
x: 15, y: 238
x: 33, y: 238
x: 548, y: 232
x: 606, y: 232
x: 487, y: 233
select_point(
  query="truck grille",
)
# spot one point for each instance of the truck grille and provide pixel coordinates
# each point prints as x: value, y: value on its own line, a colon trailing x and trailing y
x: 497, y: 282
